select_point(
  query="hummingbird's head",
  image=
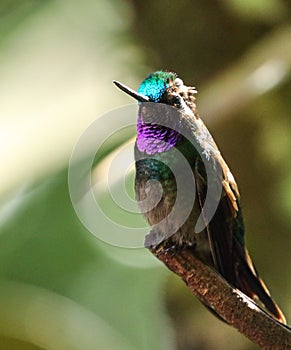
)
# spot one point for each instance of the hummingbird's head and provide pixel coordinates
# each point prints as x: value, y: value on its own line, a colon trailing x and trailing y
x: 157, y: 84
x: 159, y: 125
x: 162, y: 87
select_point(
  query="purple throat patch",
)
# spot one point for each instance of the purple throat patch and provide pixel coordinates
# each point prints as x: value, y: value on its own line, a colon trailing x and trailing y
x: 153, y: 138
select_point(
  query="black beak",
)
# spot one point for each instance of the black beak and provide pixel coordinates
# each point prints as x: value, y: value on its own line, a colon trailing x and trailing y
x: 131, y: 92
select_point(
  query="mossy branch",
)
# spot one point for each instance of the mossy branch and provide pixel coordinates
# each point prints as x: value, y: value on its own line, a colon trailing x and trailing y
x: 230, y: 304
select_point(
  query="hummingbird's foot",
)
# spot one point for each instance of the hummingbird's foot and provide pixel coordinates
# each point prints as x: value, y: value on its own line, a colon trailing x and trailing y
x: 173, y: 248
x: 157, y: 240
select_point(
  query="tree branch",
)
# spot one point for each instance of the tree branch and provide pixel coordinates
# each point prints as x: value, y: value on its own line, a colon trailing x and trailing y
x: 232, y: 305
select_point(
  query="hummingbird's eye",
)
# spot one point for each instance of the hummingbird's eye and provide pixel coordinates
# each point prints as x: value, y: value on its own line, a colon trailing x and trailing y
x: 177, y: 100
x: 178, y: 82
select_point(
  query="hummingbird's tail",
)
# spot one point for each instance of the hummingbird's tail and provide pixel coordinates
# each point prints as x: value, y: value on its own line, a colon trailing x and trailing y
x: 250, y: 283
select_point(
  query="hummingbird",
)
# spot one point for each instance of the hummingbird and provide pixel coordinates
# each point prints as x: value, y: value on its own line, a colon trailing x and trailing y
x: 184, y: 187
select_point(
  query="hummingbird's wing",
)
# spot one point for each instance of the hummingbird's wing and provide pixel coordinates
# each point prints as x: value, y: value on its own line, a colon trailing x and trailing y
x: 219, y: 229
x: 226, y: 238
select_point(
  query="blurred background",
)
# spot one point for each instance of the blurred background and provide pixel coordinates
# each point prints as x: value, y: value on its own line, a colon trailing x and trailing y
x: 62, y: 288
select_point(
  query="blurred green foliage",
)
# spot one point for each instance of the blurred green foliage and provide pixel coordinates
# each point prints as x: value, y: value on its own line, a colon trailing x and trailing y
x: 57, y: 63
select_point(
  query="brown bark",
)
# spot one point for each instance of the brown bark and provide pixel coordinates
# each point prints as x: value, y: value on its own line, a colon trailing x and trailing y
x: 230, y: 304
